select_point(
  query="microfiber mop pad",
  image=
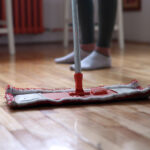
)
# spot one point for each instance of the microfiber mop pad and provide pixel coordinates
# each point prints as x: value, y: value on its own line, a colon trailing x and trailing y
x: 17, y: 97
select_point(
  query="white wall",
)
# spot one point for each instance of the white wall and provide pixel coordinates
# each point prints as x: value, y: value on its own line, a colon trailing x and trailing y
x: 136, y: 24
x: 53, y: 13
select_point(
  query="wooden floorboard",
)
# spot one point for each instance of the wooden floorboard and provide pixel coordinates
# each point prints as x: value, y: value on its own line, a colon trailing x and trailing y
x: 107, y: 126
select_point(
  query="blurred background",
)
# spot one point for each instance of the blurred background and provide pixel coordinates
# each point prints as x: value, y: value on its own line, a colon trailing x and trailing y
x: 44, y: 21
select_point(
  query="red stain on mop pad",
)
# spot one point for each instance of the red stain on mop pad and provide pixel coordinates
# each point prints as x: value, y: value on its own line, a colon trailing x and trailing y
x: 62, y: 95
x: 56, y: 96
x: 94, y: 91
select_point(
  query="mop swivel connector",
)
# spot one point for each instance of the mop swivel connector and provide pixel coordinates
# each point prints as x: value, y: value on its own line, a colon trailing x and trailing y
x: 78, y: 77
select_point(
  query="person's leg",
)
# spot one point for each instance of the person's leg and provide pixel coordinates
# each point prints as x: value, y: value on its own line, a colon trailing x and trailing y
x: 107, y: 15
x: 86, y: 21
x: 100, y: 58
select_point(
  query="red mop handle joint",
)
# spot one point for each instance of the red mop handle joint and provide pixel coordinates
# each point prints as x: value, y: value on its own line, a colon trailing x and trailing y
x: 78, y: 84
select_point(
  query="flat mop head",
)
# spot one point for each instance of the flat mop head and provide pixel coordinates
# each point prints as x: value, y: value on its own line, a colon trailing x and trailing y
x: 17, y: 97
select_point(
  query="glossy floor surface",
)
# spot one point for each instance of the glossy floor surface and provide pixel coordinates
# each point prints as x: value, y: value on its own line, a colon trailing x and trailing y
x: 107, y: 126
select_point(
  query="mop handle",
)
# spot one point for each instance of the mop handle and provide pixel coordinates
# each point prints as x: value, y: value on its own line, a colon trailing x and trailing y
x: 78, y: 75
x: 76, y: 36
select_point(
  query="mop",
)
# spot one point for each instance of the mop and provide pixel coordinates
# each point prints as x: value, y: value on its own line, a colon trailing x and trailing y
x: 18, y: 97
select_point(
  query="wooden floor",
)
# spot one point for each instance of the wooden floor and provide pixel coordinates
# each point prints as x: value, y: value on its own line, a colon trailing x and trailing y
x: 114, y: 126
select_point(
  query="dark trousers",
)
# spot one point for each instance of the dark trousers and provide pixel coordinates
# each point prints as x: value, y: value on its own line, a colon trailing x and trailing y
x: 106, y: 17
